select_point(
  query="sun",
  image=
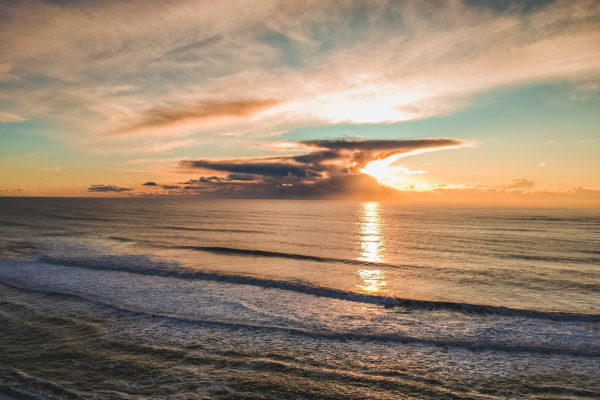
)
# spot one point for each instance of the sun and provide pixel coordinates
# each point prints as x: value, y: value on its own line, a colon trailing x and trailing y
x: 380, y: 170
x: 389, y: 174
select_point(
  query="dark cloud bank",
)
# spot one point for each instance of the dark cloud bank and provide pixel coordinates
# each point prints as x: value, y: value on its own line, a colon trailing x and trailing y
x: 108, y: 188
x: 329, y: 168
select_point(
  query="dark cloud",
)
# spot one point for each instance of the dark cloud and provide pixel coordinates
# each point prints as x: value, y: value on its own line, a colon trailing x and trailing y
x: 359, y: 152
x: 166, y: 187
x: 330, y: 167
x: 203, y: 179
x: 251, y: 166
x: 378, y: 145
x: 199, y: 112
x: 346, y: 186
x: 108, y: 188
x: 240, y: 177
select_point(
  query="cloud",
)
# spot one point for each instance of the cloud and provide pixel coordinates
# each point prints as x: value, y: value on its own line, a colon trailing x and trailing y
x: 496, y: 194
x: 326, y: 155
x: 188, y: 66
x: 165, y: 187
x: 55, y: 169
x: 327, y: 168
x: 161, y: 147
x: 108, y: 188
x: 249, y: 166
x: 9, y: 117
x: 520, y: 184
x: 336, y: 187
x: 240, y: 177
x: 361, y: 151
x: 155, y: 161
x: 165, y: 117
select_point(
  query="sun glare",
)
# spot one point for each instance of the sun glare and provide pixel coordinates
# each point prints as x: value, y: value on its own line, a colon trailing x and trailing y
x: 389, y: 174
x: 397, y: 176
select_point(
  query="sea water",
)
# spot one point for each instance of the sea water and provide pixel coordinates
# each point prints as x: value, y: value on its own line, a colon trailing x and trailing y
x: 226, y: 299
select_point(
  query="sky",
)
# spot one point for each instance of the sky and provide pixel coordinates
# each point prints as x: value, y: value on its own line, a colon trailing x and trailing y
x: 483, y: 102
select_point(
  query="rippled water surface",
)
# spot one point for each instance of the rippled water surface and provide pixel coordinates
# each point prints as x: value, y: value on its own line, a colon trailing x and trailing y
x: 185, y: 298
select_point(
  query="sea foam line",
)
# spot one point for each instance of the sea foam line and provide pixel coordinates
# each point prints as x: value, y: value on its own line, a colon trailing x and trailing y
x: 322, y: 335
x: 320, y: 291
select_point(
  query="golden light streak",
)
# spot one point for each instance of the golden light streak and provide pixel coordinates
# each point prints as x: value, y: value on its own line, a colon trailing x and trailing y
x: 372, y: 245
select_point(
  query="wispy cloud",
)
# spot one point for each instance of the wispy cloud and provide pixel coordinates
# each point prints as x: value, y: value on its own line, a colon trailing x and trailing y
x: 190, y: 66
x: 153, y: 161
x: 9, y: 117
x: 55, y: 169
x: 196, y: 114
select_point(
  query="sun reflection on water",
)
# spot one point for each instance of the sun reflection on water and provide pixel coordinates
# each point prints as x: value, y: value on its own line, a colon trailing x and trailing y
x: 373, y: 280
x: 372, y: 247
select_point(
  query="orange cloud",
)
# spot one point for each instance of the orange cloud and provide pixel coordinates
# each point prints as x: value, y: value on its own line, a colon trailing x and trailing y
x: 203, y: 112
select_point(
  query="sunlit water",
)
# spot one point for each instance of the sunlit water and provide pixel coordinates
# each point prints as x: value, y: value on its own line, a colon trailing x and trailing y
x: 182, y: 298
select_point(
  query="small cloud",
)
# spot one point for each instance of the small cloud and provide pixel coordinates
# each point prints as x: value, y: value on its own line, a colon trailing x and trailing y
x: 50, y: 168
x: 586, y: 191
x: 170, y: 187
x: 108, y: 188
x: 585, y: 91
x: 7, y: 117
x: 519, y: 184
x: 165, y: 147
x: 150, y: 183
x: 542, y: 164
x: 589, y: 141
x: 153, y: 161
x: 203, y: 179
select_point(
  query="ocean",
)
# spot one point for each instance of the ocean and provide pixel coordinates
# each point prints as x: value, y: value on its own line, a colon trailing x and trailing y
x: 184, y: 298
